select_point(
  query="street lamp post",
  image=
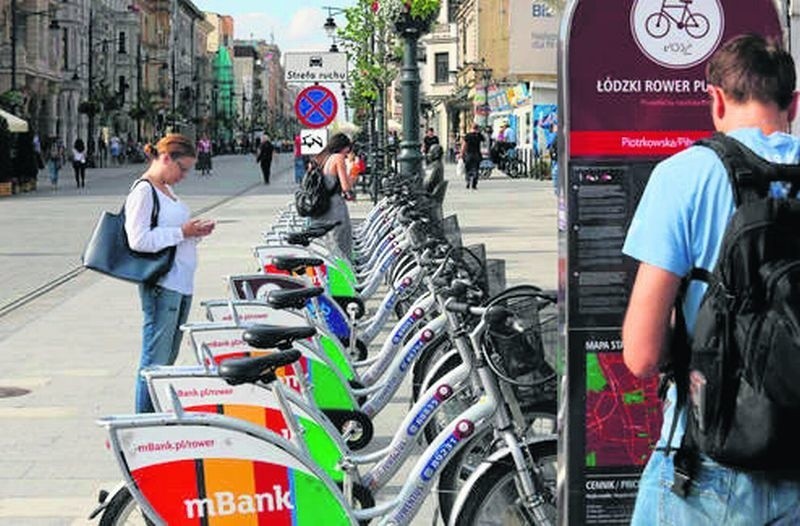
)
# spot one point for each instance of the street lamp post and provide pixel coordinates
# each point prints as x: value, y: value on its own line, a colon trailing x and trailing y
x: 13, y: 36
x: 410, y: 158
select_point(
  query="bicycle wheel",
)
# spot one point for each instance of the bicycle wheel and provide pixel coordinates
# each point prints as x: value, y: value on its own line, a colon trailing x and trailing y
x: 485, y: 173
x: 423, y: 364
x: 542, y: 422
x: 515, y: 168
x: 697, y: 25
x: 657, y: 25
x: 494, y: 499
x: 123, y: 509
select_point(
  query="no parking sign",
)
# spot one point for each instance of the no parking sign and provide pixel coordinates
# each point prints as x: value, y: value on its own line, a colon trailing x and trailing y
x: 316, y: 106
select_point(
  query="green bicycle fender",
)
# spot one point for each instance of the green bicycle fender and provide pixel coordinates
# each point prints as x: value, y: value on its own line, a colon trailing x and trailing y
x: 323, y: 448
x: 339, y: 284
x: 328, y: 390
x: 312, y: 501
x: 337, y: 355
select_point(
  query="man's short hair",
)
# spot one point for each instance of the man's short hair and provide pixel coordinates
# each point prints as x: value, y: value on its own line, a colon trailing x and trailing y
x: 749, y: 67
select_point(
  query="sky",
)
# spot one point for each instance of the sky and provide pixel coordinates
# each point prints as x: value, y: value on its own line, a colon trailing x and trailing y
x: 295, y: 24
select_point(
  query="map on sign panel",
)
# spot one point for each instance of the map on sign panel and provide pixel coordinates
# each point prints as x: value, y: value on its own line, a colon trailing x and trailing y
x: 623, y: 414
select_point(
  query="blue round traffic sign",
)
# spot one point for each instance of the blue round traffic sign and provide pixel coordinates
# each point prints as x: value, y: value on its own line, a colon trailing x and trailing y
x: 316, y: 106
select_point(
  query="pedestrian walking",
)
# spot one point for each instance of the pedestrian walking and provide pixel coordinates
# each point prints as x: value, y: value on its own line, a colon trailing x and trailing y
x: 264, y: 157
x: 678, y: 229
x: 165, y: 304
x: 204, y: 155
x: 334, y: 170
x: 471, y: 153
x: 115, y: 149
x: 429, y: 140
x: 102, y: 151
x: 79, y: 163
x: 299, y: 160
x: 55, y: 159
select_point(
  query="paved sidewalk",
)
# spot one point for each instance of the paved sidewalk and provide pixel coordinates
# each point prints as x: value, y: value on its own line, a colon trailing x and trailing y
x: 76, y: 348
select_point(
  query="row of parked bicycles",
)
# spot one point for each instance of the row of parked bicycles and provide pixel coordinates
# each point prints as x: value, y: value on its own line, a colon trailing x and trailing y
x: 275, y: 422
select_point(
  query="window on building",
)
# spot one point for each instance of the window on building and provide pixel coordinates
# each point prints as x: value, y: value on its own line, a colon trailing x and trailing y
x: 123, y: 86
x: 452, y: 8
x: 442, y: 64
x: 65, y: 48
x: 122, y: 45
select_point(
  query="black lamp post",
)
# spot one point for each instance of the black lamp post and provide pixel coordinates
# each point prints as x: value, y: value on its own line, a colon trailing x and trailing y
x: 14, y: 12
x: 486, y: 77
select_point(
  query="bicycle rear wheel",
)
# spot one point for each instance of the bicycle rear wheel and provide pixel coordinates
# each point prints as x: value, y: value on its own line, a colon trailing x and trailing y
x: 494, y: 499
x: 123, y: 510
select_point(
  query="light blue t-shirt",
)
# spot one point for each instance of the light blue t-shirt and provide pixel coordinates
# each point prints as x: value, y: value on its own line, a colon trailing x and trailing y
x: 682, y: 216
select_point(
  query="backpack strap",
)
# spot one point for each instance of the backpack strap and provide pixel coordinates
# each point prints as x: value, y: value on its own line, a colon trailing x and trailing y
x: 750, y: 175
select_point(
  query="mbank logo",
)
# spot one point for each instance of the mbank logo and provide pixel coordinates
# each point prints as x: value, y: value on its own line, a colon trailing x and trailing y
x: 225, y: 503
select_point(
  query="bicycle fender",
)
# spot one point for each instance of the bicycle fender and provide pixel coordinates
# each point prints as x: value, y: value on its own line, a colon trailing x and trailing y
x: 501, y: 454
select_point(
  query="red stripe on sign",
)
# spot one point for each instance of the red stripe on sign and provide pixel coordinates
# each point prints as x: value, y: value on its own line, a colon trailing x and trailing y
x: 648, y: 143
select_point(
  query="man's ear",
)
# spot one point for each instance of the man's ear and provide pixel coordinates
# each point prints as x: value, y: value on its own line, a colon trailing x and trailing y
x: 791, y: 111
x: 718, y: 105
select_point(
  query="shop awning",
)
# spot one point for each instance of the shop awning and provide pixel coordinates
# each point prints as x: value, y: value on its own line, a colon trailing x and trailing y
x: 15, y: 124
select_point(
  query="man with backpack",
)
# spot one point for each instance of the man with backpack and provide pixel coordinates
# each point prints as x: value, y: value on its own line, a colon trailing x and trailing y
x: 709, y: 214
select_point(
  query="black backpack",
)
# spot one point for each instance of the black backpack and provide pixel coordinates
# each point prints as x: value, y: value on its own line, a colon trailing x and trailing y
x: 313, y: 199
x: 740, y: 371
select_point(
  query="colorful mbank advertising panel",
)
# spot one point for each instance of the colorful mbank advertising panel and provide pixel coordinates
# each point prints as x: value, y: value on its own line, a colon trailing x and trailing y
x: 632, y: 91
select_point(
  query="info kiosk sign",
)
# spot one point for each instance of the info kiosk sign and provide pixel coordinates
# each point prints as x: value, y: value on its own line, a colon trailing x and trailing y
x: 632, y: 92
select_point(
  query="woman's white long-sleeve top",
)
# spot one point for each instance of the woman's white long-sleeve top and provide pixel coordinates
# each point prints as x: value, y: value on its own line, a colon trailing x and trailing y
x: 173, y: 213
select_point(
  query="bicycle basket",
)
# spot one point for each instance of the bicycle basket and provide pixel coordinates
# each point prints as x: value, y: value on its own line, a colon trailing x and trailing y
x: 520, y: 354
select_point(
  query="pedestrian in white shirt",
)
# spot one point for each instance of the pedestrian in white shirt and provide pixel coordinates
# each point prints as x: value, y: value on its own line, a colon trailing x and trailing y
x: 165, y: 304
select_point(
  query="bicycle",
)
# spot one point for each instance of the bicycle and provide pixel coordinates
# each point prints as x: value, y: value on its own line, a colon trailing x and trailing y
x: 507, y: 162
x: 222, y: 467
x: 659, y: 24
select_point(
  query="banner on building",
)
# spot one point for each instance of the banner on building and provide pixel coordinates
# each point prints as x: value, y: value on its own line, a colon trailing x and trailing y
x: 533, y: 37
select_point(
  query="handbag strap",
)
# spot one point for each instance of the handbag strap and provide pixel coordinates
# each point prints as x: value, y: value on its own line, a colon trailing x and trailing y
x: 156, y: 204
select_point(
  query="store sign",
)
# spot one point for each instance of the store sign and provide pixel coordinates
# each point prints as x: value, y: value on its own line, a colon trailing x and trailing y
x: 533, y: 37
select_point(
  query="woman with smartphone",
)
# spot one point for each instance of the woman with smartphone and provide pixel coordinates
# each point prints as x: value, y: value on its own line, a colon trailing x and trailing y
x: 165, y: 304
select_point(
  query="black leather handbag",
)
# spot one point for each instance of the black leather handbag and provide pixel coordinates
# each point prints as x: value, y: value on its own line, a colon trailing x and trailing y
x: 108, y: 251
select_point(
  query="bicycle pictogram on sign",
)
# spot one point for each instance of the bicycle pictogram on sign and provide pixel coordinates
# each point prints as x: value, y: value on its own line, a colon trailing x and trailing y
x: 316, y: 106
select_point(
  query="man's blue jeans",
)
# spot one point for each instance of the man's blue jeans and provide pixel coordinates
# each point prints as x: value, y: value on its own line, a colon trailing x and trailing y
x: 164, y: 312
x: 299, y: 169
x: 717, y: 496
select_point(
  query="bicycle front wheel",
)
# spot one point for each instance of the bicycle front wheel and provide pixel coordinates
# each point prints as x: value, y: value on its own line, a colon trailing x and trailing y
x: 494, y: 499
x: 542, y: 417
x: 697, y: 25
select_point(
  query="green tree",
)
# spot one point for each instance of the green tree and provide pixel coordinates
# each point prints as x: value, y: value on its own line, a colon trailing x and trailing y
x: 367, y: 38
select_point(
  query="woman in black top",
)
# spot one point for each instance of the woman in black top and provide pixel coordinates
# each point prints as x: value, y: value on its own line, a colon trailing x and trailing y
x: 471, y: 153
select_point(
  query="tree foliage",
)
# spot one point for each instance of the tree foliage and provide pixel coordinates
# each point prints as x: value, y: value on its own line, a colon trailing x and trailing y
x: 367, y: 38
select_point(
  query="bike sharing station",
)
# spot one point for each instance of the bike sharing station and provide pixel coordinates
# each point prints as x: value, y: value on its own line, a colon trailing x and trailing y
x: 632, y: 92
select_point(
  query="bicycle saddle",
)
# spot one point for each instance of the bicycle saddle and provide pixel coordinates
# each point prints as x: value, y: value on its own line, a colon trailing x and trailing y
x: 238, y: 371
x: 292, y: 299
x: 295, y: 264
x: 271, y: 336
